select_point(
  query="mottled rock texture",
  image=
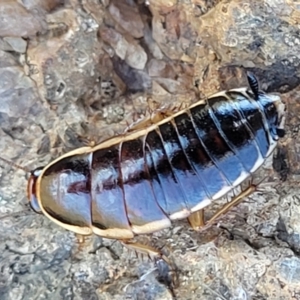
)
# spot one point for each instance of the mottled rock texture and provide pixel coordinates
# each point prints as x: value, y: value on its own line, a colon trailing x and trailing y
x: 71, y: 69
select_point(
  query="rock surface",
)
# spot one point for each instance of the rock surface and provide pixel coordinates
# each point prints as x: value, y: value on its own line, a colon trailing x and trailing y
x: 86, y: 69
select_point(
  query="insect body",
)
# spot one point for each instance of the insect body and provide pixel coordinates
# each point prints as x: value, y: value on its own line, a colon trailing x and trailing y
x: 171, y: 169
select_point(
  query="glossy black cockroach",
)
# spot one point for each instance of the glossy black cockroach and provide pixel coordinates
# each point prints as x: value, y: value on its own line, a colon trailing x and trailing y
x: 166, y: 168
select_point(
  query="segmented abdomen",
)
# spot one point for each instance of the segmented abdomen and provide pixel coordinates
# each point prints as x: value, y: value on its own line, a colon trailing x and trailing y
x: 185, y: 162
x: 195, y: 157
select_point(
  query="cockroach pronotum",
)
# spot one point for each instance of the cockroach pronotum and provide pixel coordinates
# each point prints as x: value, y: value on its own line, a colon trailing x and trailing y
x: 166, y: 168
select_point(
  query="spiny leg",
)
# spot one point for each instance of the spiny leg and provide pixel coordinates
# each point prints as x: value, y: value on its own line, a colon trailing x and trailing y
x: 145, y: 122
x: 147, y: 250
x: 155, y: 116
x: 167, y: 270
x: 167, y: 276
x: 234, y: 202
x: 197, y: 221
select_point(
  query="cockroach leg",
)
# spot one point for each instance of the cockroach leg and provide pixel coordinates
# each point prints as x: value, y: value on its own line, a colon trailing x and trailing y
x: 154, y: 117
x: 87, y: 141
x: 147, y: 250
x: 167, y: 276
x: 81, y: 242
x: 80, y: 238
x: 139, y: 124
x: 74, y: 138
x: 196, y: 220
x: 234, y: 202
x: 167, y: 270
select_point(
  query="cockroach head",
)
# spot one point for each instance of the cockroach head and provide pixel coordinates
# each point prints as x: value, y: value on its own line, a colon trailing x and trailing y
x: 31, y: 189
x: 274, y: 110
x: 272, y: 106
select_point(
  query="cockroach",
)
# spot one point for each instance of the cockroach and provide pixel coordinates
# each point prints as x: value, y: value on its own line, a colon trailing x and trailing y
x: 168, y: 167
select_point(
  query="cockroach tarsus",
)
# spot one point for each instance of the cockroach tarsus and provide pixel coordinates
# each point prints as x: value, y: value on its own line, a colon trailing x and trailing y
x: 168, y: 167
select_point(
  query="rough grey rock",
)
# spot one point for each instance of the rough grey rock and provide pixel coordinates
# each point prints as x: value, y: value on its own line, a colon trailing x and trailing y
x: 76, y: 80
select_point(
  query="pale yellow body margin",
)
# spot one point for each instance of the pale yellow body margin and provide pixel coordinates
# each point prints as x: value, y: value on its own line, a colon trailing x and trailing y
x: 131, y: 135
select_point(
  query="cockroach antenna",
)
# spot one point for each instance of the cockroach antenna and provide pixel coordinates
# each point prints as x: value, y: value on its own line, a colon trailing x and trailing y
x: 15, y: 165
x: 253, y: 83
x: 20, y: 213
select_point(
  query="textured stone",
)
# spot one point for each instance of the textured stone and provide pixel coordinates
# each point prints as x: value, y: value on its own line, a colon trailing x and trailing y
x: 127, y: 16
x: 130, y: 51
x: 15, y: 44
x: 47, y: 5
x: 80, y: 78
x: 136, y: 57
x: 17, y: 21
